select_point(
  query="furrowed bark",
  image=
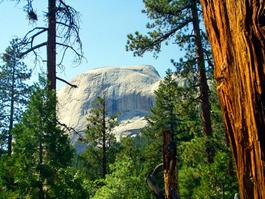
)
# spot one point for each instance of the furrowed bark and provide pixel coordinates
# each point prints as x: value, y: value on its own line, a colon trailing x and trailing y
x: 236, y: 30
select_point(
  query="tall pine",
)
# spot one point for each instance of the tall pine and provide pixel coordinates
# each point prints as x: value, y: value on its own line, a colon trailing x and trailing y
x: 162, y: 137
x: 99, y: 137
x: 179, y: 22
x: 14, y: 91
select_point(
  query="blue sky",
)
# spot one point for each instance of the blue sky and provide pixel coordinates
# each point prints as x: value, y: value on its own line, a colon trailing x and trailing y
x: 104, y: 28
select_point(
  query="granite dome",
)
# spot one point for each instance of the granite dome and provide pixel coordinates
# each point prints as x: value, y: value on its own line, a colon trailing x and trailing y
x: 129, y: 91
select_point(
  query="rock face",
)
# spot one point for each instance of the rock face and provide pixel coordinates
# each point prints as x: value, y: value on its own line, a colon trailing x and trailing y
x: 129, y: 92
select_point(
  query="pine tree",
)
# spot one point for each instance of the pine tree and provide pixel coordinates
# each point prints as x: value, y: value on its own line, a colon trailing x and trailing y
x: 163, y: 132
x: 178, y: 22
x: 99, y: 136
x: 198, y: 178
x: 62, y: 34
x: 14, y: 91
x: 42, y: 151
x: 40, y: 165
x: 40, y: 147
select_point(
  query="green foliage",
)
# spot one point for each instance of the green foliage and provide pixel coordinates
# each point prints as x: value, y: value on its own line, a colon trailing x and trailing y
x: 101, y: 142
x: 42, y: 155
x: 198, y: 178
x: 216, y: 181
x: 99, y: 121
x: 173, y: 111
x: 123, y: 182
x: 169, y: 19
x: 171, y: 23
x: 14, y: 91
x: 163, y: 116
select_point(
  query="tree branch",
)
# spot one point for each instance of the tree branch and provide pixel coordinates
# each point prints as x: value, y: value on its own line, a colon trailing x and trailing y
x: 42, y: 29
x: 70, y: 47
x: 165, y: 36
x: 170, y: 12
x: 72, y: 85
x: 32, y: 49
x: 70, y: 129
x: 153, y: 186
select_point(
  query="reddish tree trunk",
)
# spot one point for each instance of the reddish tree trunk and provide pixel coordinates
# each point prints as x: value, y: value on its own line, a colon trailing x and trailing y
x: 236, y: 32
x: 51, y: 46
x: 169, y: 166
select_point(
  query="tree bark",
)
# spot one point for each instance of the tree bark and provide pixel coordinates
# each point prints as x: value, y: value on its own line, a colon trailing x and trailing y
x: 170, y: 167
x: 51, y: 45
x: 204, y: 88
x: 236, y: 30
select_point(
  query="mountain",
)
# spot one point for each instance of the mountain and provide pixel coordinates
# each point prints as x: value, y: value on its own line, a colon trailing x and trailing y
x: 129, y: 91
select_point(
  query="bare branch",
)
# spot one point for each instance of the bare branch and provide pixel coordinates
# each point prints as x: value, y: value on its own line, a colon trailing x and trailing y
x: 42, y: 29
x: 151, y: 182
x: 32, y: 49
x: 72, y: 48
x: 70, y: 129
x: 72, y: 85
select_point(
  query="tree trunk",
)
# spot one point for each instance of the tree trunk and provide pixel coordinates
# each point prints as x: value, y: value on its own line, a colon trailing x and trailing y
x: 236, y: 33
x: 11, y: 117
x: 51, y: 46
x: 40, y: 185
x: 169, y: 167
x: 204, y: 88
x: 104, y: 155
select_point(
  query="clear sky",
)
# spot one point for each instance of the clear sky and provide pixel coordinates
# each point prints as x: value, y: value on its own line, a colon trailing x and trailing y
x: 104, y: 28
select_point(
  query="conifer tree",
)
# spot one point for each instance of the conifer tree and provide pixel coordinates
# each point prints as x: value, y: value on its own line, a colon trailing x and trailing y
x: 99, y: 136
x: 62, y: 34
x: 41, y: 148
x: 178, y: 22
x: 162, y: 127
x: 14, y: 91
x: 40, y: 166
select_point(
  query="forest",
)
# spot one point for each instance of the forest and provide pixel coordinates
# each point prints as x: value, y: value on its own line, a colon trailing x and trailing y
x: 203, y: 140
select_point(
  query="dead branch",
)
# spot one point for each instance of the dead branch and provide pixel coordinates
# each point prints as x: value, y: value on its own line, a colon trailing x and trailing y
x: 72, y: 85
x: 32, y: 49
x: 70, y: 129
x: 71, y: 48
x: 151, y: 182
x: 42, y: 29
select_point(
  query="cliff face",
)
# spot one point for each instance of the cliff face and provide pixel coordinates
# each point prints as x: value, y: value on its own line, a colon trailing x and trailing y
x: 128, y: 91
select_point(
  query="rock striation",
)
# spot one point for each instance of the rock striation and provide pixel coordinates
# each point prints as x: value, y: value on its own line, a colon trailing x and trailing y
x: 129, y: 92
